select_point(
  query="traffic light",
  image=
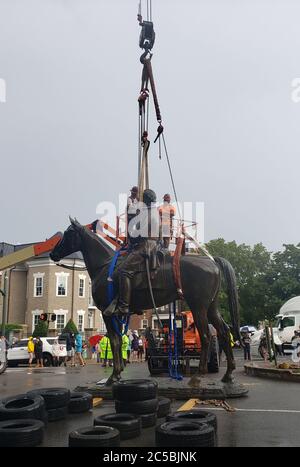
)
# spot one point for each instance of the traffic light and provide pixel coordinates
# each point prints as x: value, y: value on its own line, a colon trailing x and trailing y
x: 53, y: 317
x: 43, y: 317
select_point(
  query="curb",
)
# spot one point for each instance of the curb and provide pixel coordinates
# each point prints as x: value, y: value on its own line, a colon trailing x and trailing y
x: 272, y: 373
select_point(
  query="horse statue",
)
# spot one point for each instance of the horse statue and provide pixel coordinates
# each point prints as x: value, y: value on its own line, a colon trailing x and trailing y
x: 200, y: 277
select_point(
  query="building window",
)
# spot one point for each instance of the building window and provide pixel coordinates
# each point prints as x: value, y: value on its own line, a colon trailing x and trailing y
x: 80, y: 323
x: 60, y: 322
x: 81, y: 287
x: 35, y: 318
x: 144, y: 323
x: 91, y: 320
x: 38, y: 284
x: 61, y: 284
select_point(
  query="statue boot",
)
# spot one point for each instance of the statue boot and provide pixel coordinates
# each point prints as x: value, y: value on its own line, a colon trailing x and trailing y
x: 124, y: 295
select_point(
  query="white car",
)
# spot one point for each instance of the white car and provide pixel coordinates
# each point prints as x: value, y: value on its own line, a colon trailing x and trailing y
x: 18, y: 353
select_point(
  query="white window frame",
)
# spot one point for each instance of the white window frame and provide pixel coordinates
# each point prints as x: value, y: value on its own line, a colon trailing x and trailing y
x: 60, y: 313
x: 81, y: 277
x: 58, y: 276
x: 90, y: 319
x: 80, y: 313
x: 38, y: 275
x: 142, y: 323
x: 34, y: 314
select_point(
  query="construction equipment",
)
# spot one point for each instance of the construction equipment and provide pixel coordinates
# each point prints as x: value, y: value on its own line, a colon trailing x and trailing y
x: 188, y: 347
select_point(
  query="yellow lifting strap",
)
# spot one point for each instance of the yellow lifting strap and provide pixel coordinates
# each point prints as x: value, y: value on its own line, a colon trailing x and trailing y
x: 143, y: 182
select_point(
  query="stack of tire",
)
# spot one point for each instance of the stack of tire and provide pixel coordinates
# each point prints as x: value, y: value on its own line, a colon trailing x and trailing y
x: 56, y: 401
x: 188, y: 428
x: 138, y: 397
x: 22, y: 420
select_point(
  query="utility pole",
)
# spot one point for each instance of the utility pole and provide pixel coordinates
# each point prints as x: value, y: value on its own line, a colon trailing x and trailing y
x: 4, y: 309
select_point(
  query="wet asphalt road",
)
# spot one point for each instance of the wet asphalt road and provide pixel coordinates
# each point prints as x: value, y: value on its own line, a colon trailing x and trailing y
x: 269, y: 416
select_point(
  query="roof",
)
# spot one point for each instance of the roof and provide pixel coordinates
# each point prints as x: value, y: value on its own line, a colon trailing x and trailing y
x: 8, y: 248
x: 291, y: 306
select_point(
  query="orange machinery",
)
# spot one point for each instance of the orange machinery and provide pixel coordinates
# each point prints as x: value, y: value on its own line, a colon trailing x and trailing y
x: 188, y: 346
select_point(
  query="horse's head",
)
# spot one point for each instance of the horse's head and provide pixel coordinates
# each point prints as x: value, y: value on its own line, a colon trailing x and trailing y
x: 70, y: 242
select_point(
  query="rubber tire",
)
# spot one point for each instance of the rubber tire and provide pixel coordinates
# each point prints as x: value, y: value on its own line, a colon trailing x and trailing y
x: 30, y: 435
x: 185, y: 434
x: 133, y: 390
x: 3, y: 366
x: 47, y: 360
x: 54, y: 397
x: 164, y: 406
x: 148, y: 420
x: 129, y: 425
x: 23, y: 406
x: 80, y: 402
x: 103, y: 436
x: 213, y: 365
x: 196, y: 416
x: 154, y: 370
x: 139, y: 407
x: 57, y: 414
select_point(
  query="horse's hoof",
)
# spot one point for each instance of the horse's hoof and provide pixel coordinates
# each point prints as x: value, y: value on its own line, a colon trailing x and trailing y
x: 194, y: 382
x: 228, y: 379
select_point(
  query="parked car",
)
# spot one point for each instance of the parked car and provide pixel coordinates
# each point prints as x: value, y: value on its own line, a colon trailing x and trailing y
x: 18, y: 354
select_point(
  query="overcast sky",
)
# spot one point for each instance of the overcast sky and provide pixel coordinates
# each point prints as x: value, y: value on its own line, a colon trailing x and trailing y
x: 68, y: 129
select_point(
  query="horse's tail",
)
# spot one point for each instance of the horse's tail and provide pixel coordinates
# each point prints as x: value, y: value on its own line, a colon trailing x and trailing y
x: 232, y: 293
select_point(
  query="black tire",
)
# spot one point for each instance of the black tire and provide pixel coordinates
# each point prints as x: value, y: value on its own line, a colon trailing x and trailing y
x: 96, y: 436
x: 164, y: 406
x: 139, y: 407
x: 133, y: 390
x: 47, y: 359
x: 129, y: 425
x: 21, y: 433
x: 195, y: 416
x: 213, y: 365
x: 148, y: 420
x: 185, y: 434
x: 54, y: 397
x: 23, y: 406
x: 80, y: 402
x: 3, y: 366
x: 153, y: 367
x: 57, y: 414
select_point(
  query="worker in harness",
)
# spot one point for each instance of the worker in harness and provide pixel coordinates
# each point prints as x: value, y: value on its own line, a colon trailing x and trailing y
x: 143, y: 234
x: 166, y: 215
x: 132, y: 202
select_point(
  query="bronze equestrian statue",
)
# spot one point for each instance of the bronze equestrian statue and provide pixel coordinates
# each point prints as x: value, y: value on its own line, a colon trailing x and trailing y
x: 201, y: 278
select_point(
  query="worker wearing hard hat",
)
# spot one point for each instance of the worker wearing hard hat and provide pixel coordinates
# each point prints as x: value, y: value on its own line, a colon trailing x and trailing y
x: 166, y: 215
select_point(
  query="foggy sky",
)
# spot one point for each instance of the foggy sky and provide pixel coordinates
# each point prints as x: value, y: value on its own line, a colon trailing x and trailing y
x: 68, y: 131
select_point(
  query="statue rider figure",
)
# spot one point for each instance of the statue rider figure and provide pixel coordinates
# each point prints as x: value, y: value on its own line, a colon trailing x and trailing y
x: 143, y: 235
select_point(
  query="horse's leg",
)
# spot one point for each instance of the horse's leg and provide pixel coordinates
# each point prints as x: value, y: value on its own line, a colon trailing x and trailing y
x: 116, y: 343
x: 223, y: 332
x: 201, y: 322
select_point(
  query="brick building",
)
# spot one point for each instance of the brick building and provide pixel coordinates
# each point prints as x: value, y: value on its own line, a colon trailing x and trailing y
x: 40, y: 286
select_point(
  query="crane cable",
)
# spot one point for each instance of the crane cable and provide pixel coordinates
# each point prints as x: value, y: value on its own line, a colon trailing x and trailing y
x: 144, y: 97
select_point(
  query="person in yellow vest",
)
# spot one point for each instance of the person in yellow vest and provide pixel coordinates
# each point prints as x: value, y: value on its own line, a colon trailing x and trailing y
x: 125, y: 343
x: 166, y: 215
x: 106, y: 353
x: 30, y: 349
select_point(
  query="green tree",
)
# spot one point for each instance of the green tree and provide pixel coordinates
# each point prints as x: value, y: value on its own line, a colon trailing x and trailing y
x: 286, y: 274
x: 41, y: 329
x: 252, y: 267
x: 70, y: 328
